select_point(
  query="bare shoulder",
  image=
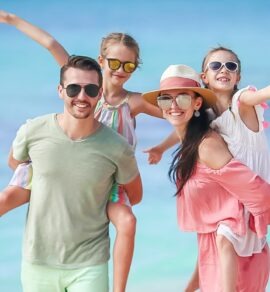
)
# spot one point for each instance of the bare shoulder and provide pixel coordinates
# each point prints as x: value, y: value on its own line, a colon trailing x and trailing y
x: 133, y: 94
x: 135, y: 102
x: 213, y: 151
x: 134, y: 97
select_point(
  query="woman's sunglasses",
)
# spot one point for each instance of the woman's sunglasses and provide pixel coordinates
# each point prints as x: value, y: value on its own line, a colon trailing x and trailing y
x: 216, y: 66
x: 182, y: 100
x: 73, y: 90
x: 115, y: 64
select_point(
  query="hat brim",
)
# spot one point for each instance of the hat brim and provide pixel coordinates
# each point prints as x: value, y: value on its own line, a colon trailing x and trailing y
x: 205, y: 93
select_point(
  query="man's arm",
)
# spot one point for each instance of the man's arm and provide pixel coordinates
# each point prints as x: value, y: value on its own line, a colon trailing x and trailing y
x: 134, y: 190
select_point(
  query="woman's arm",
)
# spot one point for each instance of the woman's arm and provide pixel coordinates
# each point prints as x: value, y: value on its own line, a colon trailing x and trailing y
x: 155, y: 153
x: 38, y: 35
x: 239, y: 181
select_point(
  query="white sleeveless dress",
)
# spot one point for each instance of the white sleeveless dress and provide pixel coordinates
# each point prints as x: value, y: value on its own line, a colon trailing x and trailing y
x: 251, y: 149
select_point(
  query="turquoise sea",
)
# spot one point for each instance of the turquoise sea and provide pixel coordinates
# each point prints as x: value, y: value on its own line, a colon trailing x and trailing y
x: 169, y: 32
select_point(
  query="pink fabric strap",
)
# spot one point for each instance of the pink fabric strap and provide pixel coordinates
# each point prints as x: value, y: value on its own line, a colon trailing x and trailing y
x: 178, y: 82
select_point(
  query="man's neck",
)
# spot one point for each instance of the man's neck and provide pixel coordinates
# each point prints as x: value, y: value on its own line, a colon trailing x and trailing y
x: 77, y: 129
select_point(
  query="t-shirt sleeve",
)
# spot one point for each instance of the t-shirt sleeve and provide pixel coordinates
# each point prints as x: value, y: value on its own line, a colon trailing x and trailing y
x: 249, y: 188
x: 127, y: 168
x: 19, y: 145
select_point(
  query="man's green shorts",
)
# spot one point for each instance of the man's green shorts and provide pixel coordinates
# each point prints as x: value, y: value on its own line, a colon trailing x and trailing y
x: 37, y: 278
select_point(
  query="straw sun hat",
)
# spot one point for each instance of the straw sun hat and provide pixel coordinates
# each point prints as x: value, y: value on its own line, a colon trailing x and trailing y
x: 180, y: 77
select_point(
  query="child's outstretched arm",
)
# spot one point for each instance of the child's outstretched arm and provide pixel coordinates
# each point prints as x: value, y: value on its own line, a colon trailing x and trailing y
x: 150, y: 109
x: 140, y: 106
x: 155, y: 153
x: 252, y: 97
x: 37, y: 34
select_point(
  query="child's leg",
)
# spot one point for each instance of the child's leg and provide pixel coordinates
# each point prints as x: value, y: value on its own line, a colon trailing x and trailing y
x: 193, y: 284
x: 18, y: 191
x: 12, y: 197
x: 125, y: 223
x: 228, y: 263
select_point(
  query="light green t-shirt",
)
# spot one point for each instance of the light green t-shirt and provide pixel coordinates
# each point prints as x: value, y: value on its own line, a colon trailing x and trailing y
x: 67, y: 225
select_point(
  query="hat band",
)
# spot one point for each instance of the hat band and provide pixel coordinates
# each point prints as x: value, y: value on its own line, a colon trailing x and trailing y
x: 173, y: 82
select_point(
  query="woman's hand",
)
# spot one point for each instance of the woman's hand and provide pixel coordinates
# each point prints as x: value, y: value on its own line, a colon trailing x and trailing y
x: 154, y: 154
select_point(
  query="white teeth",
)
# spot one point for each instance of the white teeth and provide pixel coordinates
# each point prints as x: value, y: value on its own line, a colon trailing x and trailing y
x: 176, y: 114
x: 223, y: 79
x: 81, y: 105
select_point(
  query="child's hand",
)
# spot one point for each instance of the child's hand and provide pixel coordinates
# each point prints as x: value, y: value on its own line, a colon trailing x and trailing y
x: 154, y: 155
x: 5, y: 17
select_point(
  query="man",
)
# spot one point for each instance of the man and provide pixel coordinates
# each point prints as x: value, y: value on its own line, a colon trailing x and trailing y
x: 75, y: 161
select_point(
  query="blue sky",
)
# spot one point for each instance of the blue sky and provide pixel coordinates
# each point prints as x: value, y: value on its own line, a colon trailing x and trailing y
x: 168, y: 32
x: 173, y: 31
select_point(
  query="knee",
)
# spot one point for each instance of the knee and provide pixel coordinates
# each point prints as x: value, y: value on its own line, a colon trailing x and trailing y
x: 127, y: 223
x: 6, y: 197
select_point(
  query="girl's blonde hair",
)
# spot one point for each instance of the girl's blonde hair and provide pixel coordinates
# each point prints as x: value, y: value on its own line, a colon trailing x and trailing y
x: 122, y: 38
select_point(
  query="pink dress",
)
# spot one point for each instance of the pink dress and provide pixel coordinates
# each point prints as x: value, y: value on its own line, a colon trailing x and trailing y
x: 211, y: 197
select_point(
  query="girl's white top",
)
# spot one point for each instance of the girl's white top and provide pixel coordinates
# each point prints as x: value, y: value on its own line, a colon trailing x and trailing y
x: 251, y: 149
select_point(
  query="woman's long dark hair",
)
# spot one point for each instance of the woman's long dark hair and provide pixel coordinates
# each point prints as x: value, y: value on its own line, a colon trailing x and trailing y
x: 185, y: 157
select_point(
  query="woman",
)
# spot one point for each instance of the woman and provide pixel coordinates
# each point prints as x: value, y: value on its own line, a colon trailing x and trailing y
x: 212, y: 187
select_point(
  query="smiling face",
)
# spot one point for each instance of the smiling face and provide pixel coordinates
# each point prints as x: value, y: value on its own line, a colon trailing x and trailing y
x: 122, y: 53
x: 222, y: 80
x: 179, y: 117
x: 80, y: 106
